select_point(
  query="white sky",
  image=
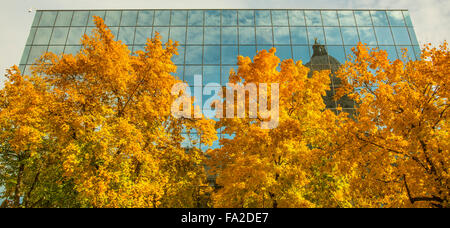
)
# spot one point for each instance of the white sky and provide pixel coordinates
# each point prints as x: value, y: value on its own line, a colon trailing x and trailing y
x: 431, y: 18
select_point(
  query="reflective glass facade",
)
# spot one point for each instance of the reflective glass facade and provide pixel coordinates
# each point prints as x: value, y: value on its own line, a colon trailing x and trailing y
x: 210, y: 40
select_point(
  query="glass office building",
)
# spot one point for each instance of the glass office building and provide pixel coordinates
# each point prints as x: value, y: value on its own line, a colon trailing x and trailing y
x: 210, y: 40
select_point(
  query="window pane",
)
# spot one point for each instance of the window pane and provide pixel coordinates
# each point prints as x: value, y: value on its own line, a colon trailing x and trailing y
x: 301, y: 53
x: 279, y: 17
x: 407, y: 18
x: 164, y: 32
x: 395, y: 18
x: 194, y: 54
x: 262, y: 17
x: 75, y: 36
x: 298, y: 35
x: 142, y: 33
x: 229, y: 17
x: 350, y: 36
x: 190, y: 72
x: 128, y: 18
x: 48, y: 18
x: 379, y: 18
x: 212, y: 55
x: 384, y: 35
x: 246, y: 17
x: 42, y: 36
x: 313, y: 18
x: 281, y: 35
x: 316, y: 33
x: 212, y: 35
x: 178, y: 18
x: 162, y: 17
x: 95, y: 13
x: 126, y: 35
x: 112, y: 18
x: 247, y: 51
x: 195, y: 17
x: 401, y: 36
x: 64, y: 18
x: 246, y: 35
x: 367, y: 35
x: 330, y: 18
x: 333, y: 35
x: 59, y: 36
x: 229, y: 54
x: 36, y: 19
x: 296, y: 17
x: 56, y: 49
x: 283, y: 52
x: 346, y: 18
x: 114, y: 31
x: 35, y: 53
x: 178, y: 34
x: 264, y: 35
x: 31, y: 36
x: 337, y: 52
x: 195, y: 35
x: 179, y: 59
x: 25, y: 53
x: 145, y: 18
x: 80, y: 18
x: 392, y: 53
x: 211, y: 74
x: 212, y: 17
x: 229, y: 35
x: 363, y: 18
x: 412, y: 34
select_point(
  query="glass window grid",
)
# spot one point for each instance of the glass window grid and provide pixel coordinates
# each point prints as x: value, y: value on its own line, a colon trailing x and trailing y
x: 223, y: 66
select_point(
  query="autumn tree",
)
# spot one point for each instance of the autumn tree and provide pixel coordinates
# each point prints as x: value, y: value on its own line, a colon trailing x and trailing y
x: 396, y: 152
x: 95, y: 129
x: 287, y: 166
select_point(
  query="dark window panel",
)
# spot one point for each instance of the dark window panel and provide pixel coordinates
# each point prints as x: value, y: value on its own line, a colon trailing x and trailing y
x: 246, y: 18
x: 64, y: 18
x: 162, y: 17
x: 212, y: 17
x: 263, y: 18
x: 145, y: 18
